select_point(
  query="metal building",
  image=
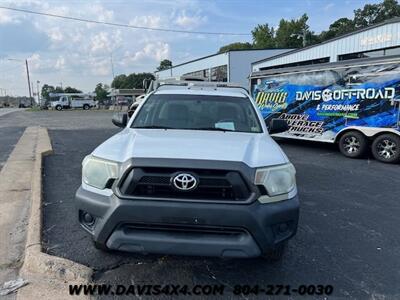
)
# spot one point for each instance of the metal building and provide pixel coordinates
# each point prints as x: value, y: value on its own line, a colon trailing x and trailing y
x: 375, y: 41
x: 231, y: 66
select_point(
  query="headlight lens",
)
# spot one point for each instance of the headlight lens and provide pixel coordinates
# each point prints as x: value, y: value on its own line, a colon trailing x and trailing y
x: 277, y: 180
x: 97, y: 172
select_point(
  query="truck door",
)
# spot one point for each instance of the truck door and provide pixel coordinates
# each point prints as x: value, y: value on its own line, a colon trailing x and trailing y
x: 64, y: 102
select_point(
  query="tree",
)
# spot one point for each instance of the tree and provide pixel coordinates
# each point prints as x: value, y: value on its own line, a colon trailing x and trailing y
x: 312, y: 38
x: 46, y: 90
x: 296, y: 33
x: 263, y: 36
x: 164, y: 65
x: 135, y: 81
x: 101, y: 91
x: 337, y: 28
x: 119, y: 81
x: 132, y: 81
x: 293, y: 33
x: 58, y: 89
x: 69, y: 89
x: 235, y: 46
x: 375, y: 13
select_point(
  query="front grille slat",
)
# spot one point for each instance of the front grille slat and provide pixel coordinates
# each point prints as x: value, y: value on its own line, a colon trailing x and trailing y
x: 191, y: 229
x: 155, y: 180
x: 156, y: 183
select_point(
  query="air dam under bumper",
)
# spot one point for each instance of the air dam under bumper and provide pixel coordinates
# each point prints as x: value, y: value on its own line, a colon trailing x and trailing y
x: 188, y: 228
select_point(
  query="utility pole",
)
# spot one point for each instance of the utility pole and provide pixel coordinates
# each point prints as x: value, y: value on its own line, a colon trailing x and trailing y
x: 112, y: 65
x: 38, y: 94
x: 29, y: 82
x: 302, y: 36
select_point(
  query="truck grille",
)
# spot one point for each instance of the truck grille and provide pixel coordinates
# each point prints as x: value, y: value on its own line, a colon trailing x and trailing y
x: 218, y: 185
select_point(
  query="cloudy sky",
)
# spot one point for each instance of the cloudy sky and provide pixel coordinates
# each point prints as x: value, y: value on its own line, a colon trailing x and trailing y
x: 78, y: 54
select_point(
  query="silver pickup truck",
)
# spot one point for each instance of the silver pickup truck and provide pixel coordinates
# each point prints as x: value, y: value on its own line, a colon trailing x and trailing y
x: 193, y: 172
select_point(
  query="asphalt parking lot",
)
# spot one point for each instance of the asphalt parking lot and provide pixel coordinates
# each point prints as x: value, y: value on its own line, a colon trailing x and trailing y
x: 9, y: 136
x: 14, y: 121
x: 348, y: 231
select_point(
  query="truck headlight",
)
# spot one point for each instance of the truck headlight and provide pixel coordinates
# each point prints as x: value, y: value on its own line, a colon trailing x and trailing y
x: 98, y: 172
x: 277, y: 180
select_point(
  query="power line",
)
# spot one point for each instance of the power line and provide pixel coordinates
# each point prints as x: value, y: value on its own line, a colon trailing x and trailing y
x: 121, y: 24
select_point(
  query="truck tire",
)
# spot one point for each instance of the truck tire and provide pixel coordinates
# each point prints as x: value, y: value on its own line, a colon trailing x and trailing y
x: 275, y: 254
x: 353, y: 144
x: 58, y: 107
x: 386, y: 148
x: 86, y: 106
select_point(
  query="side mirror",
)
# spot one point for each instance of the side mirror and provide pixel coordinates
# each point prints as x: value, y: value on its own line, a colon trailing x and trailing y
x: 132, y: 109
x: 146, y: 83
x: 277, y: 126
x: 120, y: 119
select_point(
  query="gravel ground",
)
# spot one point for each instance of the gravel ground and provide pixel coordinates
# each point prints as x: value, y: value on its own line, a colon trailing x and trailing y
x: 347, y: 237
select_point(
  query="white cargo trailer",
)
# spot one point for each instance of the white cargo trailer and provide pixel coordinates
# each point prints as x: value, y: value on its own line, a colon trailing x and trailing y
x: 354, y: 103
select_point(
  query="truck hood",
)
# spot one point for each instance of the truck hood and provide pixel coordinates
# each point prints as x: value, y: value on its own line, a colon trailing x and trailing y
x: 255, y: 150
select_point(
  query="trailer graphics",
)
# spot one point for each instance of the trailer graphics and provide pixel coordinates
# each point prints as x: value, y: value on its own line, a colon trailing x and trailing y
x: 272, y: 100
x: 340, y: 95
x: 319, y: 103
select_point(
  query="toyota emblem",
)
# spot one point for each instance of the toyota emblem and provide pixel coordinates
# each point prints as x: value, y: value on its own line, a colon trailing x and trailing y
x: 184, y: 182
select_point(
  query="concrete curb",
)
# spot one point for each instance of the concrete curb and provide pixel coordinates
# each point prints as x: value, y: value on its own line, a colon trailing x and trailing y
x: 35, y: 260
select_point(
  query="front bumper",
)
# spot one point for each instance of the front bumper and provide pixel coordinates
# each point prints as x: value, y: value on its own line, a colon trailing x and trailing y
x: 187, y: 228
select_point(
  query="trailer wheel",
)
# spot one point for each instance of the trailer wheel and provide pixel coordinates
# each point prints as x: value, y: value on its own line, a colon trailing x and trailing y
x: 86, y: 107
x: 386, y: 148
x: 353, y: 144
x: 59, y: 107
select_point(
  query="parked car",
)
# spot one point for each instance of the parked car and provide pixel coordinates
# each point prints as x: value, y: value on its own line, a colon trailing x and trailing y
x: 122, y: 100
x: 194, y: 172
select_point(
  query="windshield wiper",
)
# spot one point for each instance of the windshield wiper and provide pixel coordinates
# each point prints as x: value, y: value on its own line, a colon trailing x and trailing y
x: 211, y: 129
x: 153, y: 127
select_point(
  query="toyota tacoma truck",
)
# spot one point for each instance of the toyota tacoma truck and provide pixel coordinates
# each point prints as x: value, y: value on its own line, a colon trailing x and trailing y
x: 193, y: 172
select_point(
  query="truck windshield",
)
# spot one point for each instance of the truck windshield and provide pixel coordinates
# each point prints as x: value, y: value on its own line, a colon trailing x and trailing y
x: 198, y: 112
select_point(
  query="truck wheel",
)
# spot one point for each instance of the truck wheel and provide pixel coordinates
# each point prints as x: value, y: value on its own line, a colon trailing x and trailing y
x: 276, y: 253
x: 353, y: 144
x: 86, y: 107
x: 386, y: 148
x: 59, y: 107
